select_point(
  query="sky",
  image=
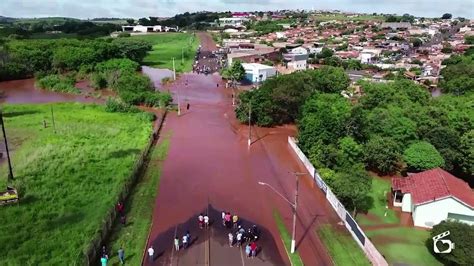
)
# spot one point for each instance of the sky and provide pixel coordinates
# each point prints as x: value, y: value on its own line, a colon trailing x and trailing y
x: 161, y: 8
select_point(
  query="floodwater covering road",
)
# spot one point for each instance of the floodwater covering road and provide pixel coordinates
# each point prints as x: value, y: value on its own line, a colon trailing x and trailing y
x: 209, y: 168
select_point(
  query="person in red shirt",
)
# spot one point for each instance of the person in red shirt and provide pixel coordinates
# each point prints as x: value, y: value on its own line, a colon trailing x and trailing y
x: 253, y: 249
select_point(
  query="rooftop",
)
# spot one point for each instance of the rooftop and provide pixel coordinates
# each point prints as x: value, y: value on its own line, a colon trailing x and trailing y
x: 432, y: 185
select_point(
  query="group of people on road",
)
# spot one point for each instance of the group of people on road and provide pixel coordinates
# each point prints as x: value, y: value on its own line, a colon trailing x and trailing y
x: 186, y: 241
x: 203, y: 221
x: 239, y: 236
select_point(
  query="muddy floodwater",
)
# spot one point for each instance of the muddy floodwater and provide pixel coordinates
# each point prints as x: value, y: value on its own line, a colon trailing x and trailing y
x: 24, y: 91
x: 157, y: 74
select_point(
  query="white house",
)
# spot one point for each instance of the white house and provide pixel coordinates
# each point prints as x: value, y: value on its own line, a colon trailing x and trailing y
x: 433, y: 196
x: 255, y: 72
x: 296, y: 61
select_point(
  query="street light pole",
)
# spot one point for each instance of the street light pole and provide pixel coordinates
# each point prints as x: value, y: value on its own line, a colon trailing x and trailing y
x: 177, y: 89
x: 250, y: 125
x: 293, y: 205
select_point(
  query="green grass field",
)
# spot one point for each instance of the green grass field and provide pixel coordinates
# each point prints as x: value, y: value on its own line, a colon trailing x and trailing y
x: 139, y: 209
x: 169, y: 45
x: 379, y: 189
x: 67, y: 180
x: 295, y: 258
x: 342, y: 247
x: 404, y: 245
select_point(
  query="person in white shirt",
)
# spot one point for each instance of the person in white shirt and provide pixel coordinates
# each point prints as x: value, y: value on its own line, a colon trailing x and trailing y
x: 151, y: 253
x: 206, y: 221
x: 201, y: 220
x: 185, y: 241
x: 176, y: 243
x: 231, y: 239
x: 239, y: 239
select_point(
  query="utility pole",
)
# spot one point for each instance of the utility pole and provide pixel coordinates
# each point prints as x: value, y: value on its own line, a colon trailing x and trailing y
x: 52, y: 117
x: 10, y: 173
x: 174, y: 78
x: 250, y: 125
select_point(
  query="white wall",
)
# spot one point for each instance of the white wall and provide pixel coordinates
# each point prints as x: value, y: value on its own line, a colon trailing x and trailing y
x: 298, y: 65
x: 433, y: 213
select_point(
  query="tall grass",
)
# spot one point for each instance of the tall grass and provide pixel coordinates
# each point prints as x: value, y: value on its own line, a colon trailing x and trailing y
x: 67, y: 180
x: 169, y: 45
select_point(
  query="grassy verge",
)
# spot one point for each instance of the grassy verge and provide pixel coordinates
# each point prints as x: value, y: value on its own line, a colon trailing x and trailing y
x: 169, y: 45
x: 295, y: 258
x: 342, y: 247
x: 404, y: 245
x: 67, y: 181
x: 139, y: 209
x: 379, y: 189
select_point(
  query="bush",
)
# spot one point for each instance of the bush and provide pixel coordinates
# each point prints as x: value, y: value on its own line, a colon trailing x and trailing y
x: 58, y: 83
x: 123, y: 65
x: 114, y: 105
x: 98, y: 81
x: 421, y: 156
x: 123, y: 35
x: 462, y: 235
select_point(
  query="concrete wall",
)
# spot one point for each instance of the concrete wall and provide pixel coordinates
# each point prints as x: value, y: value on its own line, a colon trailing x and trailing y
x: 359, y: 236
x: 430, y: 214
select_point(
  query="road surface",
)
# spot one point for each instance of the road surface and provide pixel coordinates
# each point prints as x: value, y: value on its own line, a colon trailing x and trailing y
x: 209, y: 168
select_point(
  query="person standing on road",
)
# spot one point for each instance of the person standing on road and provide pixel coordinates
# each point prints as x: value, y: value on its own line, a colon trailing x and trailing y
x: 231, y: 240
x: 239, y: 239
x: 187, y: 106
x: 223, y: 218
x: 253, y: 248
x: 247, y: 250
x: 176, y: 243
x: 121, y: 255
x: 201, y: 221
x: 185, y: 241
x: 206, y: 221
x: 228, y: 219
x: 151, y: 253
x: 235, y: 221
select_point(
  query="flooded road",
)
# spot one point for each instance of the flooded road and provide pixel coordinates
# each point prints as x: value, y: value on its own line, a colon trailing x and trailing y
x: 209, y: 168
x: 157, y: 75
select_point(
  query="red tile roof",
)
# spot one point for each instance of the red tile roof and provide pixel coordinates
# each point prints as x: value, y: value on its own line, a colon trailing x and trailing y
x: 433, y: 185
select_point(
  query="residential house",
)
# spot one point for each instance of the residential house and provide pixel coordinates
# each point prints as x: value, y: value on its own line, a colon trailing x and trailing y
x: 296, y: 61
x: 433, y: 196
x: 255, y: 72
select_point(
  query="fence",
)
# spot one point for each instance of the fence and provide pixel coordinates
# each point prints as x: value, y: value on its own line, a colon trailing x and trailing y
x: 359, y: 236
x: 89, y: 256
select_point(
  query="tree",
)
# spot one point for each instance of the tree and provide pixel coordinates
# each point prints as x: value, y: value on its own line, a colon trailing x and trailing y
x: 461, y: 235
x: 299, y: 41
x: 131, y: 21
x: 132, y: 49
x: 325, y: 53
x: 349, y: 152
x: 382, y: 154
x: 467, y: 151
x: 421, y: 156
x: 237, y: 71
x: 330, y: 79
x: 416, y: 42
x: 446, y: 16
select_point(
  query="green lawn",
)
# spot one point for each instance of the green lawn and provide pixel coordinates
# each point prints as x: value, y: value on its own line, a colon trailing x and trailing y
x: 379, y: 189
x: 295, y: 258
x: 67, y: 181
x: 405, y: 245
x: 169, y: 45
x: 139, y: 209
x: 342, y: 247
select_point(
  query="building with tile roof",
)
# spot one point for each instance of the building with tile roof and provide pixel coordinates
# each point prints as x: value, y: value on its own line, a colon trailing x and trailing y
x: 433, y: 196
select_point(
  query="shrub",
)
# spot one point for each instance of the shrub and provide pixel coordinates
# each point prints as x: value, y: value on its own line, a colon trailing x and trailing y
x: 114, y: 105
x: 98, y: 81
x: 58, y: 83
x: 124, y: 65
x: 421, y: 156
x: 462, y: 235
x: 123, y: 35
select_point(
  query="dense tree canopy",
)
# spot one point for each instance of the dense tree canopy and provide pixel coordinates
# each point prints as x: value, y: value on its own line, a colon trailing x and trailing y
x: 458, y: 75
x: 421, y: 156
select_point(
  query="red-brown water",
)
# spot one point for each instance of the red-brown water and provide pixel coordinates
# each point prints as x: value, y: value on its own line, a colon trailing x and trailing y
x: 24, y: 91
x: 210, y: 165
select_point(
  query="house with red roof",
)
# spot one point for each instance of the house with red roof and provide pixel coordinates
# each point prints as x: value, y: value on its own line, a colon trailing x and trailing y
x: 433, y: 196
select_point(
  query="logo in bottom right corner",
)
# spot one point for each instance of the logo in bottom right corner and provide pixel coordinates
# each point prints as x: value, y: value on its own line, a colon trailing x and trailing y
x: 444, y: 242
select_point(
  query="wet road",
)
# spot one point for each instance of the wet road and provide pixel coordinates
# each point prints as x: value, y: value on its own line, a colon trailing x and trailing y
x: 210, y: 166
